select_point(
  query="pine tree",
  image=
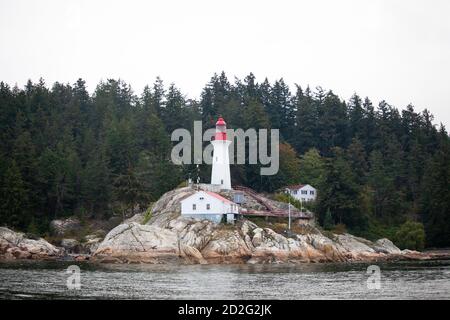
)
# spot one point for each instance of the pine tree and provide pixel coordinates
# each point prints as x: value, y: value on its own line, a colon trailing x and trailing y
x: 13, y: 199
x: 356, y: 117
x: 356, y: 156
x: 173, y: 114
x: 312, y: 168
x: 281, y: 111
x: 96, y: 183
x: 369, y: 125
x: 332, y: 123
x: 340, y: 193
x: 436, y: 195
x: 306, y: 122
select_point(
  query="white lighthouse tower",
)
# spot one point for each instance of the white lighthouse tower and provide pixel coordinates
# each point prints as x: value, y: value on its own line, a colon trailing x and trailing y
x: 220, y: 174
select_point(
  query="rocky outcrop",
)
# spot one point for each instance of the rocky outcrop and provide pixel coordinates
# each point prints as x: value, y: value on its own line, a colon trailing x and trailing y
x: 135, y: 242
x: 226, y: 246
x: 168, y: 208
x: 386, y: 246
x: 65, y: 226
x: 15, y: 245
x: 71, y: 245
x: 92, y: 243
x: 169, y: 237
x: 190, y: 241
x: 138, y: 218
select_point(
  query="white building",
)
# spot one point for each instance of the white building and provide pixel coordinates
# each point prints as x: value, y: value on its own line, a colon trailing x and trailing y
x: 220, y: 173
x: 302, y: 192
x: 209, y: 205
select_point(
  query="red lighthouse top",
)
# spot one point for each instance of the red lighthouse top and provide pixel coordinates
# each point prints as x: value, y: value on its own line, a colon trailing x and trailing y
x: 221, y: 130
x: 221, y: 122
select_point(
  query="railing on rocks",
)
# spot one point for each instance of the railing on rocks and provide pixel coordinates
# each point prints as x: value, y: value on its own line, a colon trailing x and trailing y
x: 270, y: 211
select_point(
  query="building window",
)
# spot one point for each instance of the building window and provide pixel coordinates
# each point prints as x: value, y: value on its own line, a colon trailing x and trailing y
x: 221, y: 181
x: 208, y: 206
x: 295, y: 191
x: 194, y: 207
x: 311, y: 192
x: 304, y: 192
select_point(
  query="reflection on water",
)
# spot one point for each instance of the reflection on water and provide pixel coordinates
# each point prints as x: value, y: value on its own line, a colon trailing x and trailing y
x: 402, y: 280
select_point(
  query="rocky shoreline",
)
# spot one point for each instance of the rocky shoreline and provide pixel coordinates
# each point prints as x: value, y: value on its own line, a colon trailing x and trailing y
x: 170, y: 238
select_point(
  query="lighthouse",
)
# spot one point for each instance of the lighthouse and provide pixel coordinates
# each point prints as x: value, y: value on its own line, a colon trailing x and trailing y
x: 220, y: 174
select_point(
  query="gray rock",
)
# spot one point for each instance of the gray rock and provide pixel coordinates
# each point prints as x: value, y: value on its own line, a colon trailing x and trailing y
x: 136, y: 242
x: 92, y: 243
x: 354, y: 244
x: 64, y: 226
x: 168, y: 207
x: 70, y: 245
x: 14, y: 245
x: 138, y: 218
x: 92, y: 236
x: 386, y: 246
x: 226, y: 247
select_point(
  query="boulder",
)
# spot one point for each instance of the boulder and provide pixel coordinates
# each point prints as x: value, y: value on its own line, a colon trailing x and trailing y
x: 324, y: 249
x: 192, y: 255
x: 354, y: 247
x: 168, y: 207
x: 71, y: 245
x: 226, y: 246
x: 386, y: 246
x: 92, y: 243
x: 191, y: 232
x: 62, y: 227
x: 135, y: 242
x: 14, y: 245
x: 138, y: 218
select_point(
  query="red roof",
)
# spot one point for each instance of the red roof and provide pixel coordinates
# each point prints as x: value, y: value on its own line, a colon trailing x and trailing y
x: 218, y: 196
x: 221, y: 134
x: 221, y: 122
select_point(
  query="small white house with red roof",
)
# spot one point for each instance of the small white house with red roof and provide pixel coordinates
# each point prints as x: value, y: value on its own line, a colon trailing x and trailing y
x: 302, y: 192
x: 209, y: 205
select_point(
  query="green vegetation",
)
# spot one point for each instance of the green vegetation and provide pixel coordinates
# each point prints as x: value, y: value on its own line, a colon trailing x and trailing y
x: 411, y: 235
x: 340, y: 228
x: 328, y: 222
x: 286, y: 198
x: 147, y: 215
x: 65, y: 151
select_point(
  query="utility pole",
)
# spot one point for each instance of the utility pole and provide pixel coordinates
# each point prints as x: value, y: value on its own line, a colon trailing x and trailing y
x: 198, y: 178
x: 289, y: 209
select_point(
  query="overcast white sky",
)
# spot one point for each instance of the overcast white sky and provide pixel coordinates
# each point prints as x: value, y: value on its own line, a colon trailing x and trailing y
x: 385, y: 49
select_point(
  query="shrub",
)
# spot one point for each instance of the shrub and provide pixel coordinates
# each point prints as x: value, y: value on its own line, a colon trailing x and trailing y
x: 340, y: 228
x: 182, y: 184
x: 33, y: 229
x: 147, y: 215
x: 284, y: 197
x: 328, y: 222
x: 411, y: 235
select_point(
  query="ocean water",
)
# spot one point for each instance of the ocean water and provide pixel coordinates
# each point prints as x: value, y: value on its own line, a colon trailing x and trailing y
x: 400, y: 280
